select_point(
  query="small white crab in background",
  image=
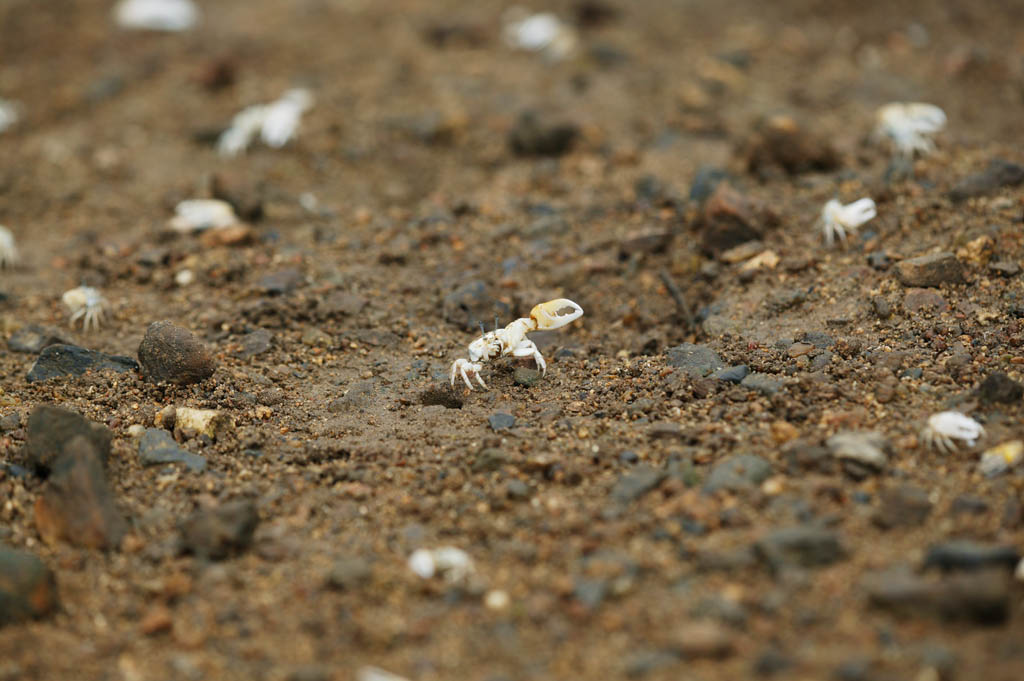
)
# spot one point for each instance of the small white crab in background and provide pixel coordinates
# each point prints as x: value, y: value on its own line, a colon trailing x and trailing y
x: 196, y: 215
x: 8, y: 114
x: 946, y: 426
x: 512, y: 340
x: 451, y: 562
x: 156, y: 15
x: 276, y: 123
x: 87, y: 304
x: 837, y: 220
x: 8, y: 249
x: 541, y: 32
x: 908, y: 125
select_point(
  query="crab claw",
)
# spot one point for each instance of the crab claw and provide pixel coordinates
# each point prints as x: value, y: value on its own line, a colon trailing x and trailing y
x: 555, y: 314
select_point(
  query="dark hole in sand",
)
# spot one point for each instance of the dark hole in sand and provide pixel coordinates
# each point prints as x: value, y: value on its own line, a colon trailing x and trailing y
x: 446, y: 398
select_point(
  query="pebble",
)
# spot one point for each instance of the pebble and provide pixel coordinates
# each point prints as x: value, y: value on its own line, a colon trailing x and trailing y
x: 696, y: 360
x: 879, y: 260
x: 802, y: 546
x: 156, y: 446
x: 222, y: 532
x: 489, y: 460
x: 966, y: 503
x: 212, y: 423
x: 782, y: 143
x: 70, y: 360
x: 525, y: 377
x: 704, y: 640
x: 281, y: 282
x: 10, y: 421
x: 51, y: 429
x: 733, y: 374
x: 348, y: 574
x: 965, y: 555
x: 501, y: 420
x: 766, y: 384
x: 902, y: 506
x: 314, y: 337
x: 77, y: 504
x: 517, y: 490
x: 930, y: 270
x: 33, y: 338
x: 728, y: 219
x: 917, y: 299
x: 866, y: 449
x: 360, y: 394
x: 533, y: 137
x: 254, y: 343
x: 978, y: 598
x: 1004, y: 268
x: 738, y: 473
x: 998, y: 387
x: 665, y: 430
x: 172, y: 354
x: 340, y: 303
x: 637, y: 483
x: 450, y: 562
x: 999, y: 173
x: 28, y: 588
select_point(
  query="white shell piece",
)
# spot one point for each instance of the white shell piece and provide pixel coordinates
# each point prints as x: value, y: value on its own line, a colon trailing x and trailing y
x: 196, y: 215
x: 156, y: 15
x: 452, y: 563
x: 909, y: 125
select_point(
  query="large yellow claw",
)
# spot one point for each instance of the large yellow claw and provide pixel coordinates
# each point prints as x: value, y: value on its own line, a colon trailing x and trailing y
x: 555, y: 314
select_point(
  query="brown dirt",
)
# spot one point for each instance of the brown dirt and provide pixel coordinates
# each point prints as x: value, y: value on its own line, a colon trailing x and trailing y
x: 359, y: 454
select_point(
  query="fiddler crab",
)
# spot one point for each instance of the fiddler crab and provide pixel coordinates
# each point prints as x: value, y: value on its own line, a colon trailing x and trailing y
x: 946, y: 427
x: 837, y: 220
x: 512, y: 340
x: 87, y: 304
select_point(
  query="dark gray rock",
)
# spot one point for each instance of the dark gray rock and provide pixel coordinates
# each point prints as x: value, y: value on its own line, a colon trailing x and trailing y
x: 33, y: 338
x: 501, y: 420
x: 1004, y: 268
x: 348, y: 574
x: 525, y: 377
x: 902, y: 506
x: 967, y: 556
x: 489, y: 460
x: 222, y: 532
x: 930, y: 270
x: 637, y: 483
x: 517, y: 490
x: 731, y: 374
x: 156, y: 446
x: 28, y: 589
x: 801, y: 546
x: 696, y: 360
x: 766, y: 384
x: 533, y: 137
x: 879, y: 260
x: 281, y: 282
x: 70, y: 360
x: 998, y: 387
x: 867, y: 449
x: 969, y: 504
x: 999, y: 173
x: 10, y: 421
x: 254, y: 343
x: 51, y: 428
x: 738, y: 473
x: 172, y: 354
x: 978, y: 597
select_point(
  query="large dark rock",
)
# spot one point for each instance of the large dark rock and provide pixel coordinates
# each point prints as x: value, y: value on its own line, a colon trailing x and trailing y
x: 696, y: 360
x: 173, y: 354
x: 51, y: 428
x: 802, y: 546
x: 930, y: 270
x: 729, y: 218
x: 903, y: 506
x: 28, y: 589
x: 968, y: 556
x: 533, y: 137
x: 70, y: 360
x: 158, y: 447
x: 978, y: 598
x: 220, y: 533
x: 76, y: 504
x: 999, y: 173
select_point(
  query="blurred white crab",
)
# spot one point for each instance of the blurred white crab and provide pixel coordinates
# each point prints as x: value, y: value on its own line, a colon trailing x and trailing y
x: 451, y: 562
x: 946, y: 427
x: 908, y: 125
x: 836, y: 219
x: 512, y: 340
x: 87, y: 304
x: 542, y: 32
x: 276, y: 123
x: 8, y: 249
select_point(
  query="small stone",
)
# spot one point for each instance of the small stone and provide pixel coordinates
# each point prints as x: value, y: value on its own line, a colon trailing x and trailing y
x: 254, y: 343
x: 729, y: 219
x: 636, y: 484
x: 340, y: 303
x: 703, y: 640
x: 734, y: 374
x: 744, y: 251
x: 902, y: 506
x: 501, y: 420
x: 696, y: 360
x: 517, y: 490
x: 525, y: 377
x: 33, y: 338
x: 10, y: 421
x: 348, y: 574
x: 865, y: 448
x: 157, y: 619
x: 70, y: 360
x: 766, y: 384
x: 930, y: 270
x: 799, y: 349
x: 532, y: 137
x: 998, y: 387
x: 783, y: 299
x: 917, y: 299
x: 212, y: 423
x: 360, y: 394
x: 158, y: 447
x: 802, y: 546
x: 172, y: 354
x: 489, y: 460
x: 231, y: 235
x: 665, y: 430
x: 76, y: 504
x: 738, y: 473
x: 1004, y: 268
x: 246, y: 199
x: 999, y: 173
x: 28, y: 588
x: 968, y: 504
x: 51, y: 428
x: 969, y: 556
x: 879, y: 260
x: 781, y: 143
x: 979, y: 598
x: 316, y: 338
x: 281, y: 282
x: 166, y: 417
x: 222, y: 532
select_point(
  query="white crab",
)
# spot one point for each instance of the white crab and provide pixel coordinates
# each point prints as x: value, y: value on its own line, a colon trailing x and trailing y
x: 8, y: 249
x: 87, y: 304
x: 946, y: 426
x: 836, y: 219
x: 512, y: 340
x: 276, y: 123
x: 909, y: 124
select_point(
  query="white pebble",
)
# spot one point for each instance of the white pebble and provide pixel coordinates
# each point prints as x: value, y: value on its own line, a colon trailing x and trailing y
x: 452, y: 563
x: 196, y: 215
x: 377, y: 674
x: 8, y: 114
x: 184, y: 278
x: 8, y: 249
x: 496, y: 600
x: 156, y: 15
